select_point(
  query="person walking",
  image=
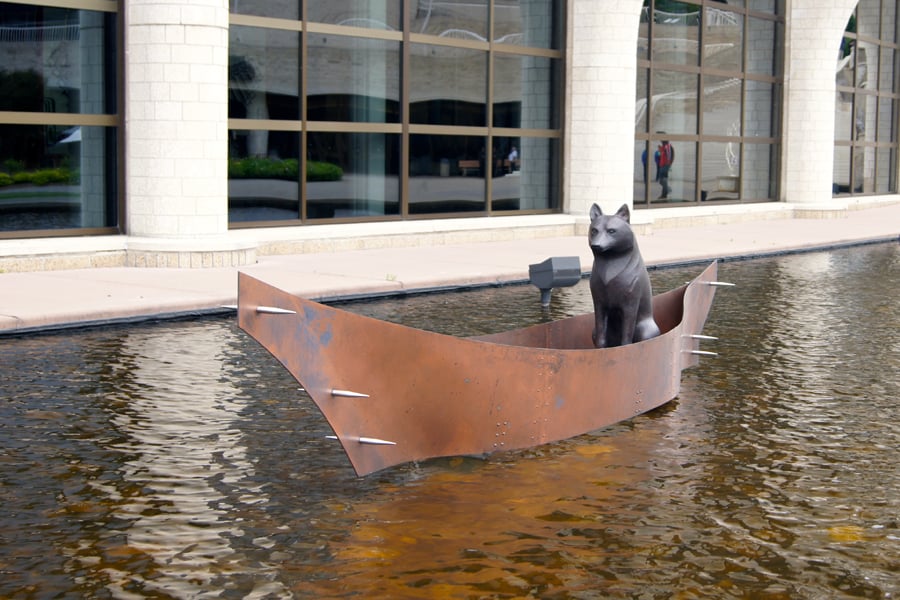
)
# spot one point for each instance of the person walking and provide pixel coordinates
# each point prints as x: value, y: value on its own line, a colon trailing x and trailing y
x: 666, y: 158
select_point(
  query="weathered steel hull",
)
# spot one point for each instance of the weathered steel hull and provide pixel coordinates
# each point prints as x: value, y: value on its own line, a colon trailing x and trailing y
x: 429, y: 395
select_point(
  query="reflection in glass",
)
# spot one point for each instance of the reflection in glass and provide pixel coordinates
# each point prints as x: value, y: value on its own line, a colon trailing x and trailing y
x: 841, y: 182
x: 263, y: 175
x: 886, y: 111
x: 759, y: 104
x: 721, y: 105
x: 57, y: 60
x: 448, y: 86
x: 888, y: 21
x: 843, y: 116
x: 453, y: 19
x: 683, y: 173
x: 761, y: 36
x: 640, y: 100
x: 762, y: 5
x: 721, y: 171
x: 527, y: 23
x: 886, y: 77
x: 57, y: 177
x: 757, y: 181
x: 723, y: 39
x: 384, y: 14
x: 524, y: 174
x: 263, y: 76
x: 864, y: 120
x: 884, y: 181
x: 644, y: 171
x: 352, y: 79
x: 367, y: 181
x: 676, y: 29
x: 446, y: 173
x: 674, y: 102
x: 523, y: 91
x: 282, y: 9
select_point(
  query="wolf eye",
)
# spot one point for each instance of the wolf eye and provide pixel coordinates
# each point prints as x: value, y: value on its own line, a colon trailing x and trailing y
x: 594, y: 231
x: 611, y: 231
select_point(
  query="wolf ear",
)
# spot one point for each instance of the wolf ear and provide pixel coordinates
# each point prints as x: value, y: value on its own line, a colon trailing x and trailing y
x: 624, y: 213
x: 595, y: 211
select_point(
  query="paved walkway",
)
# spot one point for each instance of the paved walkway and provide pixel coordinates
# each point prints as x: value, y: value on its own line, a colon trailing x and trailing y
x: 56, y: 299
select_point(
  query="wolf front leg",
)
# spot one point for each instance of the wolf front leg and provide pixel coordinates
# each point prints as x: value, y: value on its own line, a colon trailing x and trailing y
x: 600, y: 330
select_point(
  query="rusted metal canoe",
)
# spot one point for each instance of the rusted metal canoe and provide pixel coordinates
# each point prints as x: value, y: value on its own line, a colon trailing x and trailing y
x: 394, y: 394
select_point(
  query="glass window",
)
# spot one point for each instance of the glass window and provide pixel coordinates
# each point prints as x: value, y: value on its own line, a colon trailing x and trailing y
x: 761, y: 42
x: 384, y: 14
x: 57, y: 177
x: 884, y: 169
x: 447, y: 173
x: 352, y: 175
x: 676, y: 31
x: 448, y: 86
x: 263, y: 175
x: 888, y: 21
x: 645, y: 171
x: 640, y: 100
x: 674, y: 102
x: 767, y: 6
x: 527, y: 23
x: 282, y: 9
x: 678, y: 182
x: 721, y: 105
x: 886, y: 111
x: 759, y: 107
x: 524, y: 173
x: 62, y: 61
x: 524, y: 91
x: 352, y: 79
x: 841, y: 183
x: 460, y: 19
x: 886, y: 77
x: 758, y: 172
x: 263, y: 73
x: 723, y: 39
x: 721, y: 171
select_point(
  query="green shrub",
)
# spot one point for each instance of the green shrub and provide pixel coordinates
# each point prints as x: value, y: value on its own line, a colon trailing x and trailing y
x: 5, y: 179
x: 43, y: 176
x: 323, y: 171
x: 287, y: 169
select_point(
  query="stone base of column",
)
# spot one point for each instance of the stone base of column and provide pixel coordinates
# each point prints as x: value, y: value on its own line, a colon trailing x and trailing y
x: 188, y: 254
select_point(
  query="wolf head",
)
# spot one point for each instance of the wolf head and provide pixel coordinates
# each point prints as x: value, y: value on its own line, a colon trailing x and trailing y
x: 610, y: 233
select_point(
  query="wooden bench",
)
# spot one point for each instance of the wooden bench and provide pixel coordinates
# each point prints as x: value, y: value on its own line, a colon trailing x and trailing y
x: 469, y: 165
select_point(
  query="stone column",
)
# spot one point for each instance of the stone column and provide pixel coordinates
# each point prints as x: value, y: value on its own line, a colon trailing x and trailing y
x: 176, y: 133
x: 813, y: 37
x: 601, y: 47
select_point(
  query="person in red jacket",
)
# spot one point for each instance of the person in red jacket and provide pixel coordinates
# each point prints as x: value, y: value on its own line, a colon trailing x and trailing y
x: 666, y: 157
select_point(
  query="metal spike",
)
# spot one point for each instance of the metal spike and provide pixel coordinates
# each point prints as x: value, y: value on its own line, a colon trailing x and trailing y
x: 697, y: 336
x: 274, y: 310
x: 702, y: 353
x: 348, y: 394
x: 366, y: 440
x: 230, y: 306
x: 720, y: 283
x: 376, y: 441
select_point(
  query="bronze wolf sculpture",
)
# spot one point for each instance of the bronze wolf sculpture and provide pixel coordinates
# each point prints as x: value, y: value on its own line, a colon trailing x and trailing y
x: 620, y: 285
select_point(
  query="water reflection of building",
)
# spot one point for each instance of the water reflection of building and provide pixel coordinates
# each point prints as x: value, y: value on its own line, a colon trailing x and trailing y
x: 408, y: 109
x: 187, y: 471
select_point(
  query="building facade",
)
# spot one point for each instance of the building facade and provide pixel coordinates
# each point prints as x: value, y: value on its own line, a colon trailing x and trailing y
x: 152, y: 133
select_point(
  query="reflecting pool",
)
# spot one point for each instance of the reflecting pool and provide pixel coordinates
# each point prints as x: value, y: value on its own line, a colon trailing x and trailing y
x: 180, y: 460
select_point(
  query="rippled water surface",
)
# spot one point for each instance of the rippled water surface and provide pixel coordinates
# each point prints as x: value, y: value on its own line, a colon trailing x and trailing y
x: 180, y: 460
